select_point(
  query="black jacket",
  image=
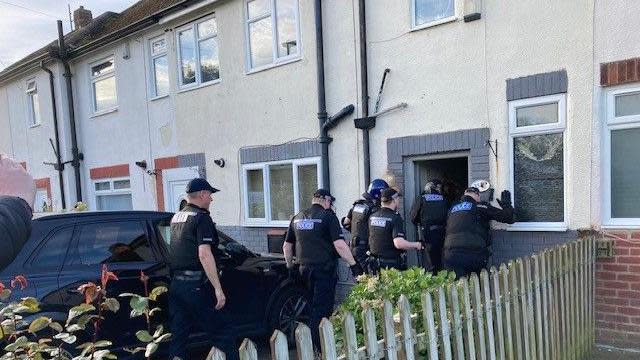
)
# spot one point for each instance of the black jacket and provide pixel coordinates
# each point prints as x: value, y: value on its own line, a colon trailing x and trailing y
x: 15, y: 227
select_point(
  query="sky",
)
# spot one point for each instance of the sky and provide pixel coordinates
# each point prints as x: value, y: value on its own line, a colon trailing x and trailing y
x: 27, y: 25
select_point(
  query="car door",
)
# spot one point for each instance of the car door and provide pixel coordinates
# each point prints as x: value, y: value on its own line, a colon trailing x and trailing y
x: 123, y: 246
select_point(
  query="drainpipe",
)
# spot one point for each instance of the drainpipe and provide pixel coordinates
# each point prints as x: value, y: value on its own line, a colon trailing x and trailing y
x: 76, y: 155
x: 59, y: 167
x: 325, y: 140
x: 364, y: 90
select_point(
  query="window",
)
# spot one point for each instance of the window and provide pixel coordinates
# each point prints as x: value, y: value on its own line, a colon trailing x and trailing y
x: 113, y: 194
x: 622, y: 158
x: 275, y: 191
x: 103, y: 86
x: 159, y: 66
x: 33, y: 103
x: 273, y: 34
x: 198, y: 53
x: 114, y: 242
x: 53, y: 252
x: 427, y: 12
x: 538, y: 161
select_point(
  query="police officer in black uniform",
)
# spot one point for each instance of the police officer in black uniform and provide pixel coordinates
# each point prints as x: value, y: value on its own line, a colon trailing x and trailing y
x: 429, y: 214
x: 357, y: 221
x: 196, y: 297
x: 318, y: 241
x: 466, y: 245
x: 387, y: 236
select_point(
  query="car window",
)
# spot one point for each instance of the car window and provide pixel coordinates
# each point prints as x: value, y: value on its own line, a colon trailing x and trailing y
x: 51, y: 254
x: 163, y: 228
x: 111, y: 242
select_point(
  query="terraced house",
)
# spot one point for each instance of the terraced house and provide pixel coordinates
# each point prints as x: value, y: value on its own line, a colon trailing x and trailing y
x: 270, y: 99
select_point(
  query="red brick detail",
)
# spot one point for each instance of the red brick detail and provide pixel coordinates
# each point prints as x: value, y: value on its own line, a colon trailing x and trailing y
x: 44, y: 183
x: 160, y: 164
x: 620, y: 72
x: 166, y: 163
x: 109, y: 172
x: 159, y: 190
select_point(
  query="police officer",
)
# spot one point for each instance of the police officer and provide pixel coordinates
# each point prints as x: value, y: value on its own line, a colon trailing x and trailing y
x: 467, y: 240
x: 318, y: 241
x: 357, y: 221
x: 429, y: 214
x: 196, y: 297
x: 386, y: 234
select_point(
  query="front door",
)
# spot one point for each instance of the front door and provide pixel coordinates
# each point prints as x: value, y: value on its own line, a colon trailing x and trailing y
x: 175, y: 183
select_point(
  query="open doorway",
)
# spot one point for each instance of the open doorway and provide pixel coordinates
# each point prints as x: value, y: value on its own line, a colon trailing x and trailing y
x: 453, y: 171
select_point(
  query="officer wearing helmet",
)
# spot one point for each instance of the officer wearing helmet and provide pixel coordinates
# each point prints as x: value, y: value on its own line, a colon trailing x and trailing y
x: 429, y: 214
x: 467, y: 240
x: 318, y: 241
x: 387, y: 236
x: 357, y: 219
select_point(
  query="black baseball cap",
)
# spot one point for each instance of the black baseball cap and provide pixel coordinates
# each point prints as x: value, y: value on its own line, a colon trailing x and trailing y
x: 389, y: 194
x: 325, y: 194
x: 199, y: 184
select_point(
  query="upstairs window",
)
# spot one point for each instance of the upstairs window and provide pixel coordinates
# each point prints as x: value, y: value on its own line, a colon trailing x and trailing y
x: 273, y: 34
x: 103, y: 85
x: 33, y: 103
x: 428, y: 12
x: 198, y: 53
x: 159, y: 67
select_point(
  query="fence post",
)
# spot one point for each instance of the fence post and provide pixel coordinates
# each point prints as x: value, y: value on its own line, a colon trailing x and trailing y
x: 407, y: 329
x: 575, y: 294
x: 370, y: 335
x: 279, y: 346
x: 430, y: 325
x: 304, y: 345
x: 544, y: 282
x: 572, y: 301
x: 327, y: 340
x: 531, y: 326
x: 538, y: 308
x: 248, y: 350
x: 389, y: 332
x: 515, y: 304
x: 506, y: 296
x: 215, y: 354
x: 564, y: 284
x: 478, y: 314
x: 350, y: 337
x: 488, y: 312
x: 444, y: 323
x: 555, y: 268
x: 523, y: 309
x: 468, y: 320
x: 454, y: 306
x: 500, y: 331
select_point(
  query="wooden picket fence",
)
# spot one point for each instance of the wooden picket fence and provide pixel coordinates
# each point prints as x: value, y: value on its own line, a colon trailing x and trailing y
x: 537, y: 307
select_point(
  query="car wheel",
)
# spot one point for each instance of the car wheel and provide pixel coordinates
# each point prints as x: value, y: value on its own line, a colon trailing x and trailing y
x: 288, y: 311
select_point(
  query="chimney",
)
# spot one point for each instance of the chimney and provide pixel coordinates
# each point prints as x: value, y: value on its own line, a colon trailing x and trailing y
x: 81, y: 17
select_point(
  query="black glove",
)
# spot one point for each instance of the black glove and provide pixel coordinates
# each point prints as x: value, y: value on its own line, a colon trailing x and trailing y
x: 294, y: 273
x: 356, y: 270
x: 505, y: 199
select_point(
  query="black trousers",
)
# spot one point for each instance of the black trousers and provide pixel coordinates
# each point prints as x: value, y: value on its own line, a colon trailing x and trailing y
x: 464, y: 263
x: 320, y: 282
x: 192, y: 305
x: 434, y: 243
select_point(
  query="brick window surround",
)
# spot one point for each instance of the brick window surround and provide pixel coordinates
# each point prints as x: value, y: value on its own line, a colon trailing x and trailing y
x: 108, y: 172
x: 620, y: 72
x: 44, y: 183
x: 173, y: 162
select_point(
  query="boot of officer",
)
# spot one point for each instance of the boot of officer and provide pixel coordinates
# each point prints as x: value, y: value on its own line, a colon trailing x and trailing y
x: 357, y: 220
x: 196, y: 297
x: 387, y: 236
x: 429, y: 214
x: 468, y: 233
x: 318, y: 241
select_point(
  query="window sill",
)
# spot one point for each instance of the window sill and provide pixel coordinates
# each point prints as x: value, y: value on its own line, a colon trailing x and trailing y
x: 284, y: 224
x: 435, y: 23
x: 158, y: 97
x: 273, y: 65
x: 35, y: 125
x: 538, y: 227
x: 621, y: 226
x: 103, y: 112
x: 195, y: 87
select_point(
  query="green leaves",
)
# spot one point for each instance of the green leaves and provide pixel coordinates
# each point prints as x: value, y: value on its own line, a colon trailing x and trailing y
x: 157, y: 291
x: 111, y: 304
x: 144, y: 336
x: 79, y: 310
x: 151, y: 348
x: 39, y: 324
x: 138, y: 305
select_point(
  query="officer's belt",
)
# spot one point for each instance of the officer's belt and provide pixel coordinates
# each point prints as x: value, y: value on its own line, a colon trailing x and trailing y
x: 188, y: 275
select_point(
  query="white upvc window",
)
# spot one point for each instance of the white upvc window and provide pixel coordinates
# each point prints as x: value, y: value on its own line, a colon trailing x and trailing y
x: 113, y: 194
x: 103, y: 85
x: 275, y: 191
x: 621, y: 158
x: 272, y: 32
x: 198, y: 61
x: 159, y: 66
x: 425, y: 13
x: 538, y: 162
x: 33, y: 103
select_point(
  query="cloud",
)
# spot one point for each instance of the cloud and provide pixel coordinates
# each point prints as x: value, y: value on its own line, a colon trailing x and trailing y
x: 23, y: 31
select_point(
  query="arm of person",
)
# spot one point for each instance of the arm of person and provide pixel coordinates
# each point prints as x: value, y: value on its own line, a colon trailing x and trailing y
x: 343, y: 251
x: 207, y: 237
x: 287, y: 246
x: 346, y: 221
x: 504, y: 215
x: 398, y: 233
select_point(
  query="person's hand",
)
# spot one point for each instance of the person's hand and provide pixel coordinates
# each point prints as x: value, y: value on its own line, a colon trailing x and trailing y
x: 16, y: 181
x: 221, y: 300
x: 505, y: 199
x: 419, y: 246
x: 356, y: 270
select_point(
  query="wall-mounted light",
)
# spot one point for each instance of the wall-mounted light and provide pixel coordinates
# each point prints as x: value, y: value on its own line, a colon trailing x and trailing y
x: 220, y: 162
x: 472, y: 10
x: 143, y: 165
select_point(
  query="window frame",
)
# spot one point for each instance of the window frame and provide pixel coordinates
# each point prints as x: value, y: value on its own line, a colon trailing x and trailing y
x: 612, y: 123
x: 264, y: 166
x: 193, y: 26
x: 111, y: 190
x: 32, y: 119
x: 444, y: 20
x: 532, y: 130
x: 94, y: 79
x: 152, y: 57
x: 276, y: 61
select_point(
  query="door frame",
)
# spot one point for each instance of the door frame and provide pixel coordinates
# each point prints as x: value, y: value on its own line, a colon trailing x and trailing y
x: 176, y: 174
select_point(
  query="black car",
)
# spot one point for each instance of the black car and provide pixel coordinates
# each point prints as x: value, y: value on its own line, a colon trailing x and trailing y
x: 68, y: 250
